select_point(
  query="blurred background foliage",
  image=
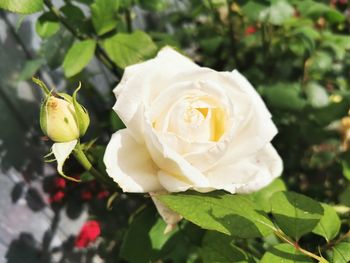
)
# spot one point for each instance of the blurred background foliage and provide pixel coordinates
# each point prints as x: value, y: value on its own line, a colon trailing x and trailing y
x: 296, y: 54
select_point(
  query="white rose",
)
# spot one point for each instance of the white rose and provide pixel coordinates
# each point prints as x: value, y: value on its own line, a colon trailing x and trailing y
x: 190, y: 127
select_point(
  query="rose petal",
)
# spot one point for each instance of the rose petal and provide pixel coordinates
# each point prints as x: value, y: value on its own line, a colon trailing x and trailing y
x: 142, y: 82
x: 170, y: 161
x: 169, y: 216
x: 130, y: 165
x: 61, y: 151
x: 247, y: 175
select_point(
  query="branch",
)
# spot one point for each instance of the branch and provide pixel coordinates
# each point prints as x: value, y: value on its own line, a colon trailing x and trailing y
x: 100, y: 53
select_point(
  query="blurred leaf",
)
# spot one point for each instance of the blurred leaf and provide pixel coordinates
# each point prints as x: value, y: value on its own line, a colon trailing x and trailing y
x: 47, y: 25
x: 344, y: 196
x: 252, y: 9
x: 284, y: 96
x: 104, y: 15
x: 78, y: 56
x: 229, y: 214
x: 295, y: 214
x: 284, y: 253
x: 55, y: 48
x: 217, y: 247
x: 334, y: 111
x: 277, y: 13
x: 154, y: 5
x: 22, y: 6
x: 127, y: 49
x: 316, y: 9
x: 317, y: 95
x: 116, y: 122
x: 341, y: 253
x: 263, y: 196
x: 30, y: 68
x: 86, y: 177
x: 329, y: 225
x: 145, y: 237
x: 72, y: 12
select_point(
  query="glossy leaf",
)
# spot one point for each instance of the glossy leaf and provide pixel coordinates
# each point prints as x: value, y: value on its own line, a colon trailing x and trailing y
x: 47, y: 25
x: 104, y: 15
x: 262, y: 197
x: 217, y: 247
x: 295, y: 214
x: 284, y: 253
x: 341, y: 253
x: 127, y: 49
x: 78, y: 56
x: 234, y: 215
x: 22, y: 6
x: 146, y: 234
x: 329, y: 225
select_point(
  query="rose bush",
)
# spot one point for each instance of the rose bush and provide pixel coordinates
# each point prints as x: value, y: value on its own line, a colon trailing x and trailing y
x: 190, y: 127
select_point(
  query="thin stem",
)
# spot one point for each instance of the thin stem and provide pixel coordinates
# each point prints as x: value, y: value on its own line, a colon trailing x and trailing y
x: 128, y: 20
x: 100, y: 53
x: 286, y: 239
x: 85, y: 162
x: 231, y: 31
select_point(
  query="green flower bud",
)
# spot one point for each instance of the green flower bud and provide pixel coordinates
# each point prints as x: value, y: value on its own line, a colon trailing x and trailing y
x: 62, y: 118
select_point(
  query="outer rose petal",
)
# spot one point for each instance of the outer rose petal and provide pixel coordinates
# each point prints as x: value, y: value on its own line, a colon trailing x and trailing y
x: 168, y: 215
x: 247, y: 175
x: 143, y: 82
x: 130, y: 165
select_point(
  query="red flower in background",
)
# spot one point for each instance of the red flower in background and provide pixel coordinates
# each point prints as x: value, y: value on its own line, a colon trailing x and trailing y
x: 56, y: 197
x: 59, y: 183
x: 102, y: 194
x: 89, y: 232
x: 86, y: 195
x: 250, y: 30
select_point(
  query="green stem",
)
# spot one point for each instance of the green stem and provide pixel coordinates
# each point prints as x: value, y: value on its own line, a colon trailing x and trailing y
x: 85, y: 162
x: 286, y: 239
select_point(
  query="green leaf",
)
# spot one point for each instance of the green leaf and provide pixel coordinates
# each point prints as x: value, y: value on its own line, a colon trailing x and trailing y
x: 30, y: 68
x: 22, y: 6
x: 317, y: 95
x: 115, y: 122
x: 341, y: 253
x: 47, y: 25
x: 153, y: 5
x: 55, y: 48
x: 315, y: 10
x: 145, y: 237
x: 78, y: 56
x: 252, y: 9
x: 334, y: 111
x: 104, y: 15
x: 284, y: 253
x: 128, y: 49
x: 329, y: 225
x: 277, y: 13
x: 217, y: 247
x: 263, y: 196
x: 295, y: 214
x: 284, y: 96
x: 229, y: 214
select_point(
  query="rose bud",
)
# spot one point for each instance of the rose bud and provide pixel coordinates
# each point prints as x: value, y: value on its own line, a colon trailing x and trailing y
x: 64, y: 121
x: 59, y: 119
